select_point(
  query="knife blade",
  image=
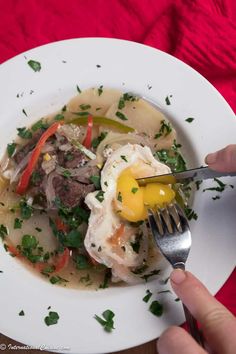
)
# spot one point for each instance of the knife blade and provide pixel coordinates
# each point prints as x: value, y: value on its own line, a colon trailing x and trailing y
x: 194, y: 174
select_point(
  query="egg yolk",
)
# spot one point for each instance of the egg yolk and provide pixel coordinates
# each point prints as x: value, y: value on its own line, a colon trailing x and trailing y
x: 132, y: 200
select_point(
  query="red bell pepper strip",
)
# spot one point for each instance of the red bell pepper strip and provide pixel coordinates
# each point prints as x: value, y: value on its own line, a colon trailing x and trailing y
x: 88, y: 138
x: 25, y: 177
x: 62, y: 260
x: 13, y: 250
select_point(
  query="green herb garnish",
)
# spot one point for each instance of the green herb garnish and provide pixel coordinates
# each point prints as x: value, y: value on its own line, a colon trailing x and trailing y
x: 119, y: 197
x: 100, y: 90
x: 18, y: 223
x: 56, y: 279
x: 78, y: 89
x: 66, y: 173
x: 21, y: 313
x: 23, y: 111
x: 190, y: 213
x: 121, y: 115
x: 165, y: 129
x: 168, y: 100
x: 82, y: 262
x: 134, y: 190
x: 3, y: 231
x: 59, y: 116
x: 40, y: 124
x: 189, y: 120
x: 96, y: 181
x: 198, y: 183
x: 85, y: 106
x: 148, y: 296
x: 124, y: 158
x: 96, y: 141
x: 106, y: 279
x: 52, y: 318
x: 156, y: 308
x: 100, y: 196
x: 35, y: 65
x: 147, y: 276
x: 26, y: 210
x: 11, y: 148
x: 24, y: 133
x: 107, y: 322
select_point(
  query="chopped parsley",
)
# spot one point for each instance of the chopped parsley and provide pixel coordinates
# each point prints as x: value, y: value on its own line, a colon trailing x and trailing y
x: 134, y: 190
x: 86, y: 280
x: 189, y: 120
x: 167, y: 99
x: 35, y: 178
x: 119, y: 197
x: 35, y: 65
x: 82, y: 114
x: 26, y: 210
x: 66, y: 173
x: 216, y: 197
x: 56, y: 279
x: 52, y: 318
x: 156, y: 308
x: 107, y: 321
x: 64, y: 108
x: 82, y: 262
x: 18, y: 223
x: 100, y: 196
x: 153, y: 272
x: 126, y: 97
x: 24, y: 133
x: 220, y: 187
x: 23, y: 111
x: 100, y: 90
x: 59, y: 116
x: 106, y: 279
x: 198, y: 183
x: 165, y: 129
x: 124, y: 158
x: 96, y: 181
x: 78, y: 89
x: 190, y: 213
x: 172, y: 158
x: 39, y: 125
x: 96, y: 141
x: 85, y: 106
x: 21, y: 313
x: 3, y: 231
x: 121, y: 115
x: 148, y: 296
x: 38, y: 229
x: 11, y: 148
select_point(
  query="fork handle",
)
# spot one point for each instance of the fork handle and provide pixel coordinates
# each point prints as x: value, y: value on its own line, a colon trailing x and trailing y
x: 190, y: 320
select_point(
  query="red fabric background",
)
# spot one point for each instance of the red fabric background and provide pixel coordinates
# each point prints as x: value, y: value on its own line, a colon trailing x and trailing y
x: 202, y: 33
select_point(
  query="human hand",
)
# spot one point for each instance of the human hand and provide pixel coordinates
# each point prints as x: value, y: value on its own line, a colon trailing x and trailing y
x: 223, y: 160
x: 217, y: 323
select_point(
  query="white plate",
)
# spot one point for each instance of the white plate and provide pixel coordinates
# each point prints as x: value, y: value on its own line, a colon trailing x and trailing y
x: 130, y: 67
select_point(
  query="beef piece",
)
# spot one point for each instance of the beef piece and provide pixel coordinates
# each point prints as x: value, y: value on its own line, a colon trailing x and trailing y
x: 71, y: 193
x: 71, y: 159
x: 28, y: 147
x: 86, y: 173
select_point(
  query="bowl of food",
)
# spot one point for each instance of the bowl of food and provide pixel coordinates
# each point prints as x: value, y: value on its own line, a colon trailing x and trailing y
x: 77, y: 256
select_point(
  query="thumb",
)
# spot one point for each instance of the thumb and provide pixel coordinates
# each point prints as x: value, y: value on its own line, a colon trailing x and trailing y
x: 223, y: 160
x: 217, y: 323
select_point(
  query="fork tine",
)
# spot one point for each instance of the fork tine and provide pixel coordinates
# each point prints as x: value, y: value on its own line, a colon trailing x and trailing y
x: 172, y: 208
x: 154, y: 226
x: 165, y: 216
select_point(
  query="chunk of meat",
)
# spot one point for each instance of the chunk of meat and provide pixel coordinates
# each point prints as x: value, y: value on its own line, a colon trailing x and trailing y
x: 71, y: 193
x: 71, y: 159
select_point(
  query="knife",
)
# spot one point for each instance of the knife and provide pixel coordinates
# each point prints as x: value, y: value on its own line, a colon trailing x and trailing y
x: 185, y: 176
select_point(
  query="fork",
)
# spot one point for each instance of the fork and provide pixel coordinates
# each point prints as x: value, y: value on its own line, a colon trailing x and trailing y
x: 171, y: 232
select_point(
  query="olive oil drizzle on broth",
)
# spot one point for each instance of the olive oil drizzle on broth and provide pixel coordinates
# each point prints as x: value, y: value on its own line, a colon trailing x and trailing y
x: 98, y: 102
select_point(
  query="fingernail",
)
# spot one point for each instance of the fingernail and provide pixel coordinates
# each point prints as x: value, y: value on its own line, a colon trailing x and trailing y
x: 178, y: 276
x: 211, y: 158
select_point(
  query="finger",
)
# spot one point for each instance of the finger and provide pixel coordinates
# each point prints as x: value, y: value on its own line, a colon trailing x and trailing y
x: 223, y: 160
x: 217, y: 323
x: 176, y: 340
